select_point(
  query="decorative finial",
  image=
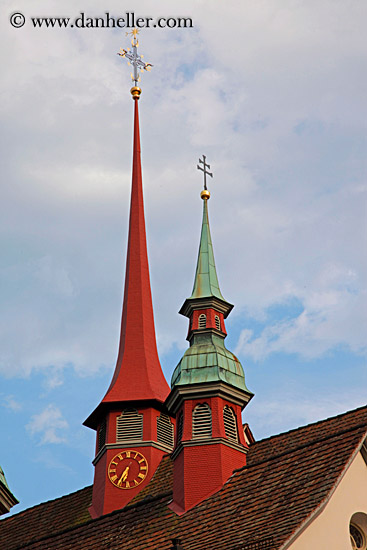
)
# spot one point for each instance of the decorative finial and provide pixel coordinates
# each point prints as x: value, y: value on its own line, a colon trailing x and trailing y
x: 136, y: 61
x: 205, y: 195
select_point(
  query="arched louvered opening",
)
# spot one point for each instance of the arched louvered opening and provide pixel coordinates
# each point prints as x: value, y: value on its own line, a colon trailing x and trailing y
x: 179, y: 429
x: 230, y: 424
x: 358, y: 531
x: 202, y: 422
x: 102, y: 434
x: 357, y: 538
x: 129, y: 426
x: 202, y: 320
x: 165, y: 431
x: 217, y: 322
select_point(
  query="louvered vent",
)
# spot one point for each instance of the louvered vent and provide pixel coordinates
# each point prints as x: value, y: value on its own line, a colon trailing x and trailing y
x: 129, y: 426
x: 202, y: 422
x: 165, y: 431
x: 230, y: 425
x: 101, y: 434
x: 179, y: 429
x: 217, y: 322
x: 357, y: 538
x: 202, y: 321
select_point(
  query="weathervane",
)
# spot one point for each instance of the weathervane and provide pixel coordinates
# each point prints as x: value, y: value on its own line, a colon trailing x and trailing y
x: 204, y: 169
x: 134, y: 59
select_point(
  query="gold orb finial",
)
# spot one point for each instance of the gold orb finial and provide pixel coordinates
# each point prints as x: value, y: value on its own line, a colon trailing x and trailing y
x: 135, y: 92
x: 205, y: 195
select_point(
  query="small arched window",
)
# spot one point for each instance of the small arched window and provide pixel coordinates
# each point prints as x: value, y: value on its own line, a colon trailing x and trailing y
x: 202, y: 422
x: 129, y: 426
x: 230, y: 424
x: 217, y: 322
x: 202, y: 320
x: 165, y: 431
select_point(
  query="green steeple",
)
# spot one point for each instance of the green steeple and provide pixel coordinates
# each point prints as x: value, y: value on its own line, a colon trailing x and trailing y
x: 207, y: 360
x: 206, y: 280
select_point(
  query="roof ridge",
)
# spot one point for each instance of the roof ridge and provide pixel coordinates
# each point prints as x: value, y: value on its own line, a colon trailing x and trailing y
x: 44, y: 502
x: 303, y: 446
x: 311, y: 424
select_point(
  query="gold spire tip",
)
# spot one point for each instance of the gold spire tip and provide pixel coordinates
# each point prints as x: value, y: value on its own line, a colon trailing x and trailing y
x: 205, y: 195
x: 135, y: 92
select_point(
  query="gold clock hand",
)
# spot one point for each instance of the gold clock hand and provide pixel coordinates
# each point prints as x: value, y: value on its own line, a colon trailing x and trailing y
x: 123, y: 476
x: 126, y: 471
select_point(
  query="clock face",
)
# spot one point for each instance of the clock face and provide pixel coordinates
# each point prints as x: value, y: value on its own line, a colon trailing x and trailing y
x: 127, y: 469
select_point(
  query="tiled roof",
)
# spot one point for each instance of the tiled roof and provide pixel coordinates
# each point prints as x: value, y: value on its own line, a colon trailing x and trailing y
x: 45, y: 519
x: 286, y: 478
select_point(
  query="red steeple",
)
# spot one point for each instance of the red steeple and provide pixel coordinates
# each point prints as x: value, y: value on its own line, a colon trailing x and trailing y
x: 138, y: 373
x: 134, y: 429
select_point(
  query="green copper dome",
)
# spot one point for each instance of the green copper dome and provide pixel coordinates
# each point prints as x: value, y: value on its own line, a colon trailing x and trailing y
x: 208, y: 360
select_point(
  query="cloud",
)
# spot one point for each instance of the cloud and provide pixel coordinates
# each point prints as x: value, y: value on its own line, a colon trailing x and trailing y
x: 10, y: 403
x: 291, y: 411
x: 46, y: 425
x: 332, y: 314
x: 48, y: 459
x: 276, y: 107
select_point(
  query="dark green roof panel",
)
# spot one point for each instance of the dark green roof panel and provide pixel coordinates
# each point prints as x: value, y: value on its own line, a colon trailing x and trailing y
x: 206, y: 279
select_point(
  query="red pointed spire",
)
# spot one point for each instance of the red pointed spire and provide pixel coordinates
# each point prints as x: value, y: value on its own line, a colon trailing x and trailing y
x: 138, y: 373
x: 133, y: 409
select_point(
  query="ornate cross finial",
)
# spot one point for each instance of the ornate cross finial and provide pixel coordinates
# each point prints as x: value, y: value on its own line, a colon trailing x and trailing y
x: 204, y: 169
x: 133, y: 58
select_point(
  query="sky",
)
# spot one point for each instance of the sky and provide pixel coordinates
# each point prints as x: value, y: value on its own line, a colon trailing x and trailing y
x: 273, y: 93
